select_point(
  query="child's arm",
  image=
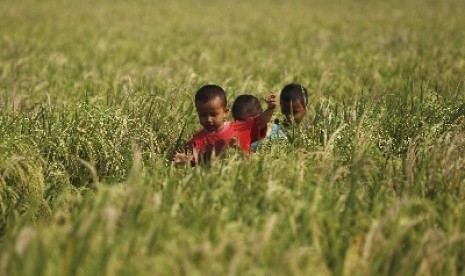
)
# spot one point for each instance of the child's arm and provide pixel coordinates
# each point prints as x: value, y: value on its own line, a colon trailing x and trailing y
x: 181, y: 158
x: 265, y: 117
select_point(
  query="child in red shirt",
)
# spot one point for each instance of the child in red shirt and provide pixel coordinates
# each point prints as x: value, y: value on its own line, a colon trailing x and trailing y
x: 217, y: 135
x: 247, y: 106
x: 244, y: 109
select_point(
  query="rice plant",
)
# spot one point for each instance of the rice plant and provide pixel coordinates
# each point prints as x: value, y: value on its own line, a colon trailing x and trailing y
x: 96, y: 96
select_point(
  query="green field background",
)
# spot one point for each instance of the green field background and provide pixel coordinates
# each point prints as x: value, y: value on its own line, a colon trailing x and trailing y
x: 95, y: 96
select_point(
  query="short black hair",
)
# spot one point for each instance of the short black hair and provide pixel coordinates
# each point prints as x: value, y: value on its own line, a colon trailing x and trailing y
x: 294, y: 92
x: 246, y: 106
x: 209, y: 92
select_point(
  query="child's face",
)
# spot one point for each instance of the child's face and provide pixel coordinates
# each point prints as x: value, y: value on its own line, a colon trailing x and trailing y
x: 294, y: 110
x: 211, y: 114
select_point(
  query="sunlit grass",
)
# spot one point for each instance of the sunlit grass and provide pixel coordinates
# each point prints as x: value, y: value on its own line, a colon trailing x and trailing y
x: 96, y: 96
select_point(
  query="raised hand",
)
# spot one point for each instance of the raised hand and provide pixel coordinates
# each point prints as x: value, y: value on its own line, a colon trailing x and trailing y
x: 271, y: 101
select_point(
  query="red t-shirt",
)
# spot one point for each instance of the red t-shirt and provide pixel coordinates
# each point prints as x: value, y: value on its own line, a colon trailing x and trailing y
x: 248, y: 131
x: 204, y: 142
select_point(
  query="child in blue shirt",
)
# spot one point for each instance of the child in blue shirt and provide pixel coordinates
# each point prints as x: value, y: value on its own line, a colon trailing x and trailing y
x: 293, y: 101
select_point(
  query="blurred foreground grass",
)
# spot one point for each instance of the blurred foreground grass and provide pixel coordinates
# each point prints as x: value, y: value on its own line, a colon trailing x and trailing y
x: 94, y: 94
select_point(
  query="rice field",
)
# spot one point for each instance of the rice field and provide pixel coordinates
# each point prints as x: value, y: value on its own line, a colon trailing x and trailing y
x: 96, y: 96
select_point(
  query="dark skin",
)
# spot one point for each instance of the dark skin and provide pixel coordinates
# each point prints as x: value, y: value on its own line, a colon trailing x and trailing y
x: 293, y: 110
x: 212, y: 114
x: 265, y: 117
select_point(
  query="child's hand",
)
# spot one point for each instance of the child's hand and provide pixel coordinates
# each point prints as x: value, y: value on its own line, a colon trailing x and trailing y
x: 181, y: 158
x: 271, y: 101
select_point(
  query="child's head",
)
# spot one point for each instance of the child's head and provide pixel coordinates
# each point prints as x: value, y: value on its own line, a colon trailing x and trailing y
x: 211, y: 105
x: 293, y: 102
x: 246, y: 106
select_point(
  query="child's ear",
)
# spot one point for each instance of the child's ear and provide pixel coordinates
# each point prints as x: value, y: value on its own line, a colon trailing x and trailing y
x: 226, y: 110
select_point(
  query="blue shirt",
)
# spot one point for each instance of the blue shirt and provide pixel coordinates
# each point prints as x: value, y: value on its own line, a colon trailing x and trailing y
x: 274, y: 133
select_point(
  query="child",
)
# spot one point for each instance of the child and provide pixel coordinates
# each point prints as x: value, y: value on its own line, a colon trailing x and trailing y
x: 293, y: 101
x: 246, y: 106
x: 218, y: 134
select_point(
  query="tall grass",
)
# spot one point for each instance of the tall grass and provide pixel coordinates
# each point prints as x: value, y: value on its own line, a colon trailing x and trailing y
x: 95, y: 97
x: 338, y: 202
